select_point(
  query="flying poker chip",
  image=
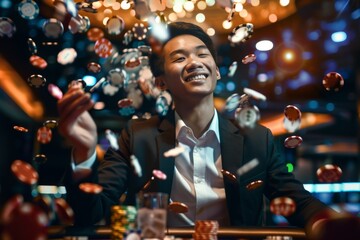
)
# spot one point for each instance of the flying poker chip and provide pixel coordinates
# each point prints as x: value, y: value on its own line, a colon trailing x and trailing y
x: 162, y: 104
x: 91, y: 188
x: 40, y: 158
x: 112, y: 138
x: 84, y: 24
x: 247, y: 167
x: 55, y: 91
x: 11, y: 204
x: 94, y: 67
x: 292, y: 113
x: 329, y: 173
x: 28, y: 9
x: 97, y: 84
x: 248, y: 58
x: 254, y: 94
x: 103, y: 47
x: 232, y: 69
x: 178, y: 207
x: 232, y: 102
x: 116, y: 77
x: 20, y: 129
x: 24, y: 172
x: 247, y: 117
x: 254, y: 185
x: 64, y: 212
x: 87, y: 7
x: 44, y: 135
x: 53, y: 28
x: 94, y: 34
x: 66, y: 56
x: 110, y: 90
x: 126, y: 102
x: 206, y: 226
x: 136, y: 165
x: 38, y: 62
x: 135, y: 95
x: 229, y: 176
x: 144, y: 49
x: 127, y: 111
x: 139, y: 30
x: 284, y: 206
x: 50, y: 124
x: 128, y: 37
x: 115, y: 25
x: 333, y: 81
x: 241, y: 33
x: 174, y: 152
x: 32, y: 46
x: 7, y: 27
x: 293, y: 141
x: 291, y: 126
x: 36, y: 80
x: 159, y: 174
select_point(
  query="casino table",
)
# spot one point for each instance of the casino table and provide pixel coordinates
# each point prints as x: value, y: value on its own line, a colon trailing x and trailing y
x: 103, y: 232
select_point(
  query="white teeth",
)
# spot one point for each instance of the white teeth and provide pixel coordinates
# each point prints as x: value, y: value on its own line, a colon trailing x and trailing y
x: 197, y: 77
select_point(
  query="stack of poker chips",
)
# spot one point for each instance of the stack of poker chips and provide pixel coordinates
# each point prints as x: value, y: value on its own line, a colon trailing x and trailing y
x: 123, y: 220
x: 206, y: 230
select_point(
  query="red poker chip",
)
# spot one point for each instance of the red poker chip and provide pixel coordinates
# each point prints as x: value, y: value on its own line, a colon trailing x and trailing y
x: 10, y: 205
x: 55, y: 91
x: 24, y: 172
x: 292, y: 113
x: 44, y: 135
x: 38, y: 62
x: 293, y: 141
x: 95, y: 34
x: 333, y: 81
x: 20, y: 129
x: 178, y: 207
x: 126, y: 102
x: 159, y: 174
x: 329, y: 173
x: 103, y: 47
x: 206, y: 226
x: 254, y: 185
x: 94, y: 67
x: 228, y: 175
x: 284, y: 206
x: 91, y: 188
x: 248, y: 58
x: 64, y: 211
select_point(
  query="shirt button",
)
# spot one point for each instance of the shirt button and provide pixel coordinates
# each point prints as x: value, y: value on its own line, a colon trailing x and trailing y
x: 195, y: 149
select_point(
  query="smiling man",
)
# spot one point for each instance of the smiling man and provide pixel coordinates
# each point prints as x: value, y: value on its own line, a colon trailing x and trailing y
x: 186, y: 67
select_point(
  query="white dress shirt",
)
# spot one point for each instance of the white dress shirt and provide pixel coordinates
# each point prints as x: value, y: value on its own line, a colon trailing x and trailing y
x: 198, y: 180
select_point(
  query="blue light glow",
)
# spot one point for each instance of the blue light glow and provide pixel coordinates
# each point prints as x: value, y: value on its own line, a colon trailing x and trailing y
x: 5, y: 4
x: 338, y: 36
x: 333, y: 187
x: 220, y: 86
x: 230, y: 86
x: 261, y: 56
x: 355, y: 14
x: 90, y: 80
x: 314, y: 35
x: 313, y: 104
x: 330, y: 107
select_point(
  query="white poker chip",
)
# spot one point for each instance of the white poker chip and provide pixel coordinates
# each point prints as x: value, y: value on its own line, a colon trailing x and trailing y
x: 128, y: 37
x: 28, y: 9
x: 32, y: 46
x: 247, y: 117
x: 255, y: 94
x: 36, y: 80
x: 232, y: 69
x: 84, y: 24
x: 293, y: 141
x: 115, y: 25
x: 232, y: 102
x: 66, y: 56
x: 291, y: 126
x: 162, y: 104
x: 7, y: 27
x: 116, y: 77
x: 241, y: 33
x: 53, y: 28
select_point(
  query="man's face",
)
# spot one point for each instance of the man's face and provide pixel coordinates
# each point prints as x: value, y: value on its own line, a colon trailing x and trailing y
x: 189, y: 68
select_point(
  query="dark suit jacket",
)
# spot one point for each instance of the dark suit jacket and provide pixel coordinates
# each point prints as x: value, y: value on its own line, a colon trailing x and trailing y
x: 149, y: 139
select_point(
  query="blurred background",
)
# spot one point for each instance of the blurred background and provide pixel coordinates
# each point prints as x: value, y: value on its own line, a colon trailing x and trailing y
x: 306, y: 40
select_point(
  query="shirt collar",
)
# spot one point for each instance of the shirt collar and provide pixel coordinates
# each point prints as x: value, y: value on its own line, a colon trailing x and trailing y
x: 214, y: 125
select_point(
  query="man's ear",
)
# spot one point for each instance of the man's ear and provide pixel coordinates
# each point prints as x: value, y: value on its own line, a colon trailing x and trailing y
x: 218, y: 76
x: 160, y: 83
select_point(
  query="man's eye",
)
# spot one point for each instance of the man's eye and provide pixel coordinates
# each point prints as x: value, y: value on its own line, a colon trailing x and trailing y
x: 203, y: 54
x: 179, y: 59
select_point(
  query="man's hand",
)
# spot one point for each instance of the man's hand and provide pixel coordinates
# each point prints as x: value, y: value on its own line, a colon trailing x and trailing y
x: 76, y: 124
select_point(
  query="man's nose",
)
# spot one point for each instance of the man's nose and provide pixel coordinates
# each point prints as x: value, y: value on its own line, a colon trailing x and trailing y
x: 193, y: 64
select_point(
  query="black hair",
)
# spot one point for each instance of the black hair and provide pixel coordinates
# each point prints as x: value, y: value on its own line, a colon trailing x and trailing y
x: 175, y: 29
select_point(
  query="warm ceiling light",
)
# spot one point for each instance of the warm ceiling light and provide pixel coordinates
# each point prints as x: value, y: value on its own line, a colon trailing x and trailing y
x: 284, y: 3
x: 116, y: 6
x: 264, y: 45
x: 96, y: 5
x: 210, y: 2
x: 177, y: 8
x: 201, y: 5
x: 238, y: 7
x: 125, y: 5
x: 189, y: 6
x: 172, y: 17
x: 108, y: 12
x: 243, y: 13
x: 181, y: 14
x: 200, y: 17
x: 272, y: 18
x: 210, y: 31
x: 226, y: 24
x: 255, y: 3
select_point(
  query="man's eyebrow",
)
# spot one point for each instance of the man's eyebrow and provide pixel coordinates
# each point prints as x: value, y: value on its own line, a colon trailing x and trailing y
x: 199, y: 47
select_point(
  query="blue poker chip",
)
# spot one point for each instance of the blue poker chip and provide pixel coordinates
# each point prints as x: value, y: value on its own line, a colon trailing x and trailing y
x: 127, y: 111
x: 53, y: 28
x: 7, y: 27
x: 28, y: 9
x: 32, y: 46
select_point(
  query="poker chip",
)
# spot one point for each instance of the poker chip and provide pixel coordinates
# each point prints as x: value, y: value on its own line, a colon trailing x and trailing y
x: 162, y: 104
x: 247, y: 117
x: 40, y: 158
x: 55, y: 91
x: 254, y: 94
x: 232, y: 102
x: 36, y: 80
x: 103, y: 47
x: 44, y: 135
x: 292, y: 113
x: 8, y: 208
x: 66, y: 56
x: 291, y: 126
x: 329, y: 173
x: 38, y: 62
x: 71, y: 8
x: 135, y: 95
x: 144, y: 49
x: 284, y: 206
x: 136, y: 165
x: 97, y: 84
x: 77, y: 82
x: 139, y: 30
x: 229, y: 176
x: 248, y: 58
x: 50, y: 124
x: 94, y: 67
x: 53, y: 28
x: 91, y: 188
x: 126, y: 102
x: 159, y: 174
x: 333, y: 81
x: 84, y: 23
x: 32, y: 46
x: 205, y: 227
x: 178, y: 207
x: 174, y: 152
x: 254, y: 185
x: 232, y: 69
x: 116, y: 77
x: 64, y: 211
x: 127, y: 111
x: 247, y: 167
x: 28, y: 9
x: 24, y: 172
x: 293, y: 141
x: 241, y: 33
x: 115, y: 25
x: 20, y: 129
x: 7, y: 27
x: 94, y: 34
x: 45, y: 203
x: 128, y: 37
